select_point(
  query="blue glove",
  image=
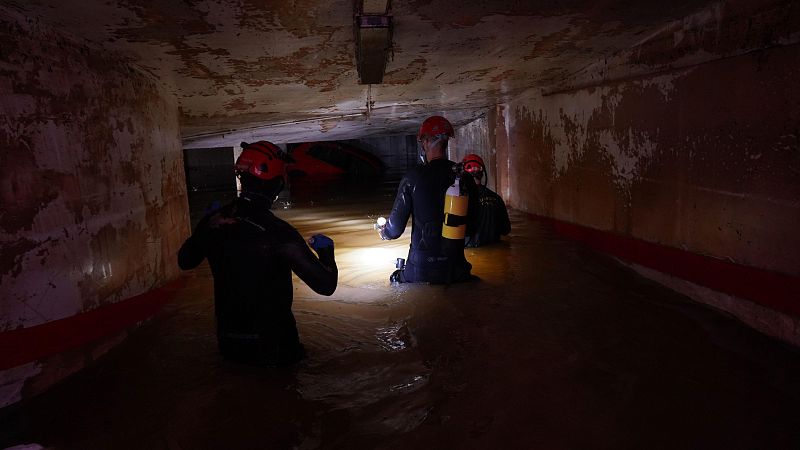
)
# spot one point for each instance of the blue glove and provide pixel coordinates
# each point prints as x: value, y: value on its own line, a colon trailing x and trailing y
x: 212, y: 207
x: 319, y: 241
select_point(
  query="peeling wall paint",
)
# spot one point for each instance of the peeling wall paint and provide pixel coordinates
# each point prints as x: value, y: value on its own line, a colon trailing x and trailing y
x: 595, y: 118
x: 91, y: 178
x: 290, y: 67
x: 704, y: 157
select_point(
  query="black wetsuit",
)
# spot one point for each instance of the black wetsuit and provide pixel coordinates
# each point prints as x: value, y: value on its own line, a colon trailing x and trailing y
x: 431, y: 258
x: 492, y: 221
x: 252, y: 255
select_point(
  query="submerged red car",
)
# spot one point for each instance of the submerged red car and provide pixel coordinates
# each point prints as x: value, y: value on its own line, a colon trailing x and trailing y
x: 333, y: 159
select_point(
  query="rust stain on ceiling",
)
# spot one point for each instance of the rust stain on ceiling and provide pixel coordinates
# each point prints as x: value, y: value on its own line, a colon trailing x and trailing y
x: 407, y: 75
x: 272, y: 68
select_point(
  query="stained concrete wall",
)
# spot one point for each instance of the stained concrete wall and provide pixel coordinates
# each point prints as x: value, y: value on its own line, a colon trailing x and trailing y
x: 691, y: 139
x: 477, y: 137
x: 91, y: 186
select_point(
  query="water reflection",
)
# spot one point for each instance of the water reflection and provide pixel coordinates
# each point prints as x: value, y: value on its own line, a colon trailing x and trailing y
x: 395, y: 337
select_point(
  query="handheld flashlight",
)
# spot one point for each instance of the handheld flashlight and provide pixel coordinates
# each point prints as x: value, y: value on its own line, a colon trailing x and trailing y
x: 380, y: 223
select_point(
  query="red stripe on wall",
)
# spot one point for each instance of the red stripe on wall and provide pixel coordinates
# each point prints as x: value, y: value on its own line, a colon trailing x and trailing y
x: 773, y: 290
x: 30, y: 344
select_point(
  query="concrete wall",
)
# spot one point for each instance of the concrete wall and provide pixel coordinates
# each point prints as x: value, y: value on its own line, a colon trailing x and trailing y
x: 92, y: 193
x: 690, y: 140
x: 476, y: 138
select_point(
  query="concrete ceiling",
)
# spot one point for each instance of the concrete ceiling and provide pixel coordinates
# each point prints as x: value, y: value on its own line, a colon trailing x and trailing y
x: 285, y: 70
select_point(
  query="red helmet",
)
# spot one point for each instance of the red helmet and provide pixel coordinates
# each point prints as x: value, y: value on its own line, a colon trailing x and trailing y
x: 434, y: 126
x: 263, y: 160
x: 473, y: 163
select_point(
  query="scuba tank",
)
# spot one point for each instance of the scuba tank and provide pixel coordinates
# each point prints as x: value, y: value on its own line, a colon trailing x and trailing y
x: 456, y: 201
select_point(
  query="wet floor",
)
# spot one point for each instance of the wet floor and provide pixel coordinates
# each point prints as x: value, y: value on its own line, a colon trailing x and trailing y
x: 556, y: 347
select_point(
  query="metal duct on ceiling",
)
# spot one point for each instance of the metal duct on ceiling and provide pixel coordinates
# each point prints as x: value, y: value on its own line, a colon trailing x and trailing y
x: 374, y: 39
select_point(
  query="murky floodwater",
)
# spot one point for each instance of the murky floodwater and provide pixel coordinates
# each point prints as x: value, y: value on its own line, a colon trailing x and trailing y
x: 555, y: 347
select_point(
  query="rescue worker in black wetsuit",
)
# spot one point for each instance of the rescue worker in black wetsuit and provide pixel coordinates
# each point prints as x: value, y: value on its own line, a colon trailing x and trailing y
x: 252, y: 255
x: 421, y: 195
x: 492, y: 215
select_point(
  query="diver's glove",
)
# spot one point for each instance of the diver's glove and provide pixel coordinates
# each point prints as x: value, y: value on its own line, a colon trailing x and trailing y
x: 319, y: 241
x: 323, y: 245
x: 212, y: 207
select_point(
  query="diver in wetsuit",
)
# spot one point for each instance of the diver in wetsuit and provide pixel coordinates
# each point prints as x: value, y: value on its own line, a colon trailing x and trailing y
x: 421, y: 195
x: 492, y: 214
x: 252, y: 255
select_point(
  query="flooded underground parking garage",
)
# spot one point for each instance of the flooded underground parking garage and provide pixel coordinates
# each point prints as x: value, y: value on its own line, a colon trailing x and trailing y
x: 646, y: 296
x: 555, y: 346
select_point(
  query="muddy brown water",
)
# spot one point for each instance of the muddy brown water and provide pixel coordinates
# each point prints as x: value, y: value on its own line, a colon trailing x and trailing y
x: 555, y: 347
